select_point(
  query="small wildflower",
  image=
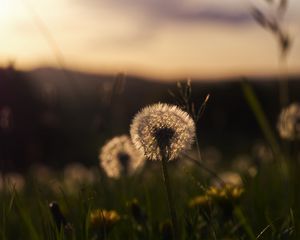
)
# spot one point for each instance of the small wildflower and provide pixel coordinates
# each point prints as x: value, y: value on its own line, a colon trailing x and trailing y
x: 289, y: 122
x: 119, y: 157
x: 103, y: 220
x: 226, y: 197
x: 162, y: 128
x: 229, y: 192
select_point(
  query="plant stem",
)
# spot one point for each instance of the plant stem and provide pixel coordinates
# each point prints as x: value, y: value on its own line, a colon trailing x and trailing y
x: 169, y: 195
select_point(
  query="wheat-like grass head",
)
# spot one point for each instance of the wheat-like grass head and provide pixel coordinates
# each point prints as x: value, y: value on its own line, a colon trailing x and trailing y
x: 162, y: 129
x: 119, y: 157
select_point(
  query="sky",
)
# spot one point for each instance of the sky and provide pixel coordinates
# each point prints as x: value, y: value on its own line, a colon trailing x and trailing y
x: 154, y: 38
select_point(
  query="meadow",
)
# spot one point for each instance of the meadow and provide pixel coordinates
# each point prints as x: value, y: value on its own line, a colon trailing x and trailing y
x: 255, y: 196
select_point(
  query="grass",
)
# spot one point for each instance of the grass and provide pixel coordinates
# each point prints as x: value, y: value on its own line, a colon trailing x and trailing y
x: 266, y: 211
x: 269, y: 207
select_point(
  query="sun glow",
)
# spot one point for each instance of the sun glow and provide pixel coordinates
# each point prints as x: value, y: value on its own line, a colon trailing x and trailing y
x: 105, y: 36
x: 6, y: 9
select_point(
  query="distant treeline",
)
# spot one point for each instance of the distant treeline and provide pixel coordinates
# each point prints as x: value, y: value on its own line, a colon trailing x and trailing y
x: 55, y: 117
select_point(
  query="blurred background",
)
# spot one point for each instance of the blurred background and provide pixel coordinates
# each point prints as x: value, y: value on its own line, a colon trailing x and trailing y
x: 73, y: 73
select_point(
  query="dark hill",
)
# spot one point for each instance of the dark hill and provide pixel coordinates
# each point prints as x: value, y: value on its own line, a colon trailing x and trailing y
x: 57, y: 117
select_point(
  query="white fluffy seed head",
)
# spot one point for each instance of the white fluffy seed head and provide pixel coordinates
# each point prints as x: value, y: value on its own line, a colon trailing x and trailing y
x: 289, y: 122
x: 162, y: 126
x: 119, y: 157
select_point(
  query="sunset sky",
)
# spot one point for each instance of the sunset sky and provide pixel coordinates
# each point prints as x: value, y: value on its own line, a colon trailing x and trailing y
x: 156, y: 38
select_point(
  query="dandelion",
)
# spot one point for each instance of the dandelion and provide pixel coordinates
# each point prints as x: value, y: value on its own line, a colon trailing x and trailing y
x: 103, y: 219
x: 244, y: 165
x: 162, y: 132
x: 201, y: 201
x: 262, y: 153
x: 162, y: 128
x: 228, y: 192
x: 42, y: 174
x: 226, y: 197
x: 12, y: 182
x: 75, y: 175
x: 289, y: 122
x: 119, y: 157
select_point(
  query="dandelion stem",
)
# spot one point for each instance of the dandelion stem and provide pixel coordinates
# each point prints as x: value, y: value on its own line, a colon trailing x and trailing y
x: 169, y: 195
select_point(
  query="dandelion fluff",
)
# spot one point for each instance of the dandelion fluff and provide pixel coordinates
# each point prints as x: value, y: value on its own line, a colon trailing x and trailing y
x: 13, y: 181
x: 76, y: 174
x: 162, y: 127
x: 289, y: 122
x: 119, y: 157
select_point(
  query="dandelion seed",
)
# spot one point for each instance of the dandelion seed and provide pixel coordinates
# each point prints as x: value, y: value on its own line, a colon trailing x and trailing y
x: 289, y: 122
x: 119, y: 157
x: 162, y: 127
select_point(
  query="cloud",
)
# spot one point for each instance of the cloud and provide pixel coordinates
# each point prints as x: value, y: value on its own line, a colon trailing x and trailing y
x: 211, y: 15
x: 174, y: 11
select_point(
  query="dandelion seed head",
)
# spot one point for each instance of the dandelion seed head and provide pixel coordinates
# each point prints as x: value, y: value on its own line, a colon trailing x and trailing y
x: 119, y: 157
x: 77, y: 175
x: 289, y: 122
x: 12, y: 182
x: 162, y: 127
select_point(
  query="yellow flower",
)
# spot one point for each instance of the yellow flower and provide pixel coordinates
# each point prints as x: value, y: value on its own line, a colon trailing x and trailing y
x: 202, y: 201
x: 103, y: 219
x: 226, y: 193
